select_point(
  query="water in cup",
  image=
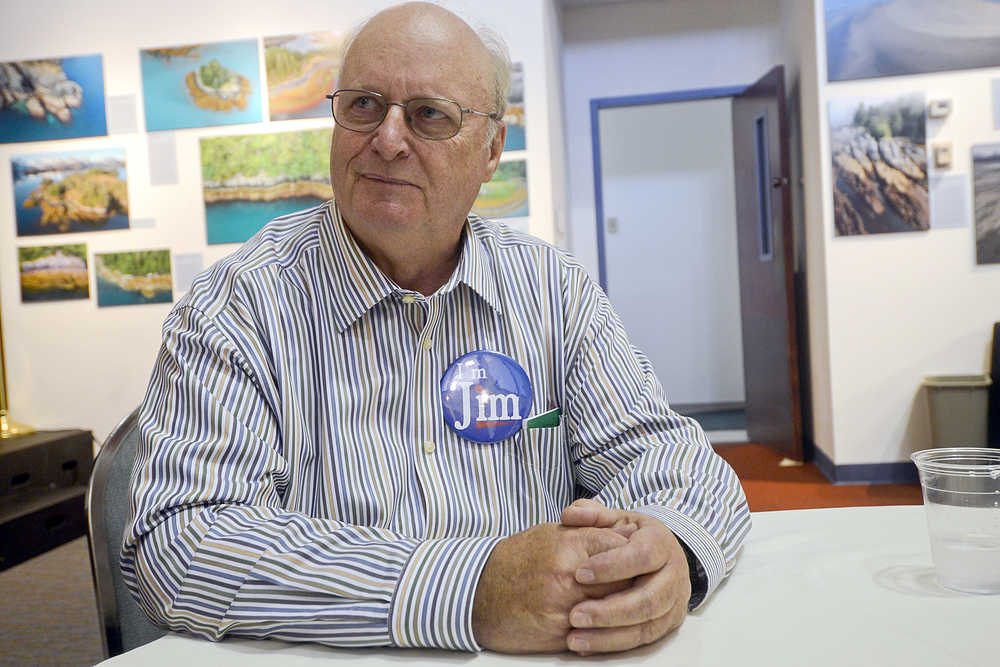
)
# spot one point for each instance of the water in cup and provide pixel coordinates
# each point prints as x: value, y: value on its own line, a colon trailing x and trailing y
x: 961, y: 487
x: 965, y: 546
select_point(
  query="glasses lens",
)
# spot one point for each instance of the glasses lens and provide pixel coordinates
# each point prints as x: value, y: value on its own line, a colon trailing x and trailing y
x: 358, y: 110
x: 434, y: 118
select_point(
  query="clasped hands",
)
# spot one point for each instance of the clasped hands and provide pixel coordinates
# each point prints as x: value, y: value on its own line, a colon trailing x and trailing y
x: 602, y: 580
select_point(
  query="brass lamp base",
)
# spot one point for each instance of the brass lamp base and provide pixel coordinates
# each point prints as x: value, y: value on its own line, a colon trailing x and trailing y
x: 10, y: 428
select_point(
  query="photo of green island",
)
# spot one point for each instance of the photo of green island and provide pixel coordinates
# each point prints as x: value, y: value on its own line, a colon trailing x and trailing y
x: 81, y: 191
x: 301, y: 70
x: 198, y: 85
x: 131, y: 278
x: 248, y: 180
x: 54, y: 273
x: 506, y: 195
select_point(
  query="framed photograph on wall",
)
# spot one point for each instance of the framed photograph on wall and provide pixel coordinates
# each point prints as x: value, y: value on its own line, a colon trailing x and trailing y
x: 514, y: 118
x: 54, y: 98
x: 875, y: 38
x: 506, y: 195
x: 75, y: 191
x: 878, y: 146
x: 248, y: 180
x: 986, y: 201
x: 201, y: 85
x: 54, y: 273
x: 301, y: 70
x: 133, y: 278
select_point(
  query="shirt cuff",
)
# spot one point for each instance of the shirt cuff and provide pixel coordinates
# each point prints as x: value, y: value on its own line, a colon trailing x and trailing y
x: 709, y: 566
x: 432, y: 605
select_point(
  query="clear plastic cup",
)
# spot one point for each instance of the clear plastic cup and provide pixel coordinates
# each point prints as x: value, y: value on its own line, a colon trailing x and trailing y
x: 962, y: 499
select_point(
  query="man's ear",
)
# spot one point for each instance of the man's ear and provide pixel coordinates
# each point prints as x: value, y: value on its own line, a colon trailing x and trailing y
x: 496, y: 150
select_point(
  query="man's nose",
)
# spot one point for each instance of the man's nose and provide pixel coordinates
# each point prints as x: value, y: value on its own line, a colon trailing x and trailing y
x: 392, y: 137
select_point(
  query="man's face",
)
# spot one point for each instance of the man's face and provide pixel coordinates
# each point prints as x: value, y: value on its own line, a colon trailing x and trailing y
x: 390, y: 181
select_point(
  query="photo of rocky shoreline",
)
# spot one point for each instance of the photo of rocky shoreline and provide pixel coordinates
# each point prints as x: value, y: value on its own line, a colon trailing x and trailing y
x: 878, y: 146
x: 52, y: 98
x: 54, y: 273
x: 132, y: 278
x: 80, y: 191
x: 248, y: 180
x: 986, y: 189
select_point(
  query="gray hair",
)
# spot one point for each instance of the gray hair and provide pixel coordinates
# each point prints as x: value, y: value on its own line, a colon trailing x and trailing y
x: 500, y: 63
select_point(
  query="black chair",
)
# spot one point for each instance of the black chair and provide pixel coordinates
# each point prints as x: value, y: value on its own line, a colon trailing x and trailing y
x: 125, y: 624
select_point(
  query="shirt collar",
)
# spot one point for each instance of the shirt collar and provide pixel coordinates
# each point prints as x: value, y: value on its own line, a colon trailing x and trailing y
x: 361, y: 285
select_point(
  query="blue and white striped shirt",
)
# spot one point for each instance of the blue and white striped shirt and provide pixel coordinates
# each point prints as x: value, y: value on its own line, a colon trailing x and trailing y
x: 296, y: 478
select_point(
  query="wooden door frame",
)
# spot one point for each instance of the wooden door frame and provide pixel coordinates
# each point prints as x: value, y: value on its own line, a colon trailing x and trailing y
x: 596, y: 104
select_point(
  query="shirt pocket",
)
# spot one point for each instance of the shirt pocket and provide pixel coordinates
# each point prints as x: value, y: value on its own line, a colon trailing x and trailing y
x: 544, y: 448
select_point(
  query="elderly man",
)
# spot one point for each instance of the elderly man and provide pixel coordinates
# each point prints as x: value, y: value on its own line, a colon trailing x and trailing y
x: 309, y: 467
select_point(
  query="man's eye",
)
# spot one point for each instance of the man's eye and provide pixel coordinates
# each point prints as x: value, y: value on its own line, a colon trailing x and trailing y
x: 364, y: 102
x: 429, y: 113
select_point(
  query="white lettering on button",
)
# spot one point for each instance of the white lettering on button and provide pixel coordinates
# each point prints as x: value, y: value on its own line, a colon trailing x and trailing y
x: 429, y: 446
x: 409, y: 298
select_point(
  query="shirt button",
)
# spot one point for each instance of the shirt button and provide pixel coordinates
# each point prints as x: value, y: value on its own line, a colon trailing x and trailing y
x: 409, y: 298
x: 428, y: 344
x: 429, y: 446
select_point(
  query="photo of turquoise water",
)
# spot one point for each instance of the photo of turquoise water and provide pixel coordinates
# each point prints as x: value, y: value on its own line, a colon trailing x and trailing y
x: 514, y: 118
x: 88, y: 120
x: 72, y: 171
x: 174, y: 99
x: 236, y: 221
x: 515, y: 138
x: 109, y: 294
x: 133, y: 278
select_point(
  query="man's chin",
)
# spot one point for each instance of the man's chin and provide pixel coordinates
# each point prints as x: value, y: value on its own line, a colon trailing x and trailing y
x: 386, y: 216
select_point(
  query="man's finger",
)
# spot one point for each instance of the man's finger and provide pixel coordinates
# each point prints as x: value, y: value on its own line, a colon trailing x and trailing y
x: 586, y: 512
x: 652, y: 596
x: 590, y: 513
x: 606, y: 640
x: 600, y: 540
x: 646, y: 551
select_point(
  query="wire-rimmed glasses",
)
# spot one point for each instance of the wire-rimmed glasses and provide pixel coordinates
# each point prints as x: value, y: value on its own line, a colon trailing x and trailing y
x: 433, y: 118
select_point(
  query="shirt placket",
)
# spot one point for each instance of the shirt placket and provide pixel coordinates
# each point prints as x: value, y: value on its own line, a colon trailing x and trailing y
x: 426, y: 435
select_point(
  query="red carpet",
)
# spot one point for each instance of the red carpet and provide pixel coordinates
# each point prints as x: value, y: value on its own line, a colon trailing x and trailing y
x: 770, y: 487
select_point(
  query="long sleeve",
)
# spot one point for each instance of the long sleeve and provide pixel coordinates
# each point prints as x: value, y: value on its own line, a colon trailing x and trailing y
x: 213, y: 551
x: 633, y: 452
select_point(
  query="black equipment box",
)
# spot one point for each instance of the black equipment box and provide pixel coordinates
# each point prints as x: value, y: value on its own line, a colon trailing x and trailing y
x: 43, y: 486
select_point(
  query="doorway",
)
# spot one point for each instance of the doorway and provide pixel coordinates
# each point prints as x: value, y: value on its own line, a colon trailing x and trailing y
x: 667, y: 248
x: 681, y: 180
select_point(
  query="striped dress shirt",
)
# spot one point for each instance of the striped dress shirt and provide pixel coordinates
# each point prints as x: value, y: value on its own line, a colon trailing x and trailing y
x: 296, y: 478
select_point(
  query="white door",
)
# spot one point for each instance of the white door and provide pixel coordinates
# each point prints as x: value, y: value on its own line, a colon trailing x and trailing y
x: 670, y: 242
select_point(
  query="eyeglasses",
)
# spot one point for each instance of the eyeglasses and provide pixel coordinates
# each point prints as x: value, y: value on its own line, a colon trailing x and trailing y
x: 433, y: 118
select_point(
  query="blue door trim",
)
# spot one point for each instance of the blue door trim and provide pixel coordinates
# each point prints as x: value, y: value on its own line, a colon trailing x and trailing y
x: 599, y: 103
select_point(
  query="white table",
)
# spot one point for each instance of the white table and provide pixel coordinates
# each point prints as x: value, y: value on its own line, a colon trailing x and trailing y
x: 842, y: 587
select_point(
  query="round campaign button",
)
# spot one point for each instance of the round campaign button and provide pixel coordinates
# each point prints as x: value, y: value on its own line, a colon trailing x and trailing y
x: 485, y: 396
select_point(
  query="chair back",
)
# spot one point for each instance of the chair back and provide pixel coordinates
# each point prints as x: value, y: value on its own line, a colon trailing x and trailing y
x: 108, y: 513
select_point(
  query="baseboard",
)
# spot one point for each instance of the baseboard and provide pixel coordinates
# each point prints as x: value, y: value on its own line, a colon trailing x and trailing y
x: 901, y: 472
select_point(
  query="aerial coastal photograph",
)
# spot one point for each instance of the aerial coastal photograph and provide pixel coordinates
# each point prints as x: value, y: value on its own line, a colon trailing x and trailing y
x: 201, y: 85
x: 78, y: 191
x: 250, y: 179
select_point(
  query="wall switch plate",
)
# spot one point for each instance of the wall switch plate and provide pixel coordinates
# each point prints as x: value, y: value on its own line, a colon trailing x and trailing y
x: 939, y: 108
x: 942, y: 154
